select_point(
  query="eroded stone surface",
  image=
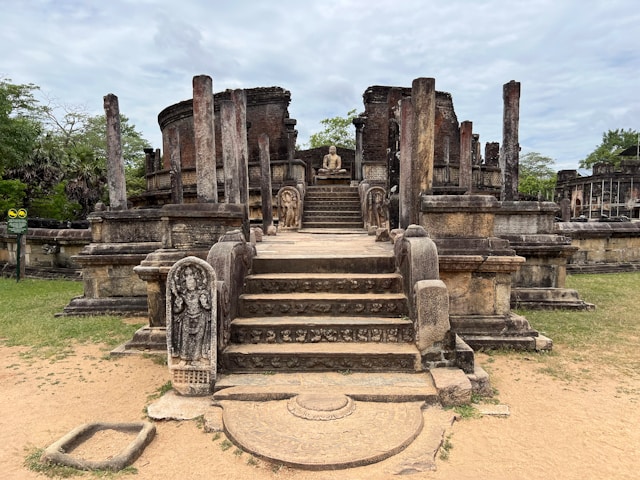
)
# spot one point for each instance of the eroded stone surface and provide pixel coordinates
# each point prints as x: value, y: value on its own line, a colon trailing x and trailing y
x: 373, y: 432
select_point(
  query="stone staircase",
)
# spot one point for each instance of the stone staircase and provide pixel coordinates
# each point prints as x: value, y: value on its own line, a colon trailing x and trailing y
x: 332, y: 206
x: 322, y: 313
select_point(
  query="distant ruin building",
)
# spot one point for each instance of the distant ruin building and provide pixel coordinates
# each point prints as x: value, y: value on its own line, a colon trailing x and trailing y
x: 381, y: 144
x: 266, y: 112
x: 610, y: 192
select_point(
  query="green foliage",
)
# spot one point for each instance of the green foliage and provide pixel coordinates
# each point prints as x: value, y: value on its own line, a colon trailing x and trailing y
x: 338, y: 131
x: 12, y: 193
x: 20, y: 123
x: 40, y: 147
x: 613, y: 142
x: 537, y: 177
x: 27, y: 318
x: 56, y: 205
x: 606, y: 336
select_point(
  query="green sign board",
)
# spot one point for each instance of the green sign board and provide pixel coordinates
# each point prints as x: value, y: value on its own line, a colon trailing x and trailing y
x: 17, y: 221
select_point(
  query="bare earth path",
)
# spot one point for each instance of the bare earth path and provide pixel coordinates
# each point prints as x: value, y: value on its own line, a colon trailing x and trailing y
x: 584, y: 428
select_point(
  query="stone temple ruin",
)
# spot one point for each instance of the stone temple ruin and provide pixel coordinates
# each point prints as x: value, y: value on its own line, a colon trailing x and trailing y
x: 250, y: 257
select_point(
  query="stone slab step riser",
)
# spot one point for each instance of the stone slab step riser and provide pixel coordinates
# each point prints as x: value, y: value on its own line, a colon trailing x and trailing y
x: 314, y: 218
x: 333, y: 224
x: 344, y: 215
x: 370, y: 265
x: 337, y: 190
x: 335, y: 283
x: 318, y: 362
x: 331, y: 196
x: 322, y: 207
x: 259, y: 305
x: 285, y: 330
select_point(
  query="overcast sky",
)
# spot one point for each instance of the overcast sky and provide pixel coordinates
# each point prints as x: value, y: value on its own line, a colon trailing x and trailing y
x: 578, y: 60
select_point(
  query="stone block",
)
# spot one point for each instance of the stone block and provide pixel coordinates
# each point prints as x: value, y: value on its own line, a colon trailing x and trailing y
x: 432, y: 308
x: 454, y: 388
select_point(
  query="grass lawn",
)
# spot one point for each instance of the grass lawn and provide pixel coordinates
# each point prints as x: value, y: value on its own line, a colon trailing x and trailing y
x: 27, y: 318
x: 607, y: 336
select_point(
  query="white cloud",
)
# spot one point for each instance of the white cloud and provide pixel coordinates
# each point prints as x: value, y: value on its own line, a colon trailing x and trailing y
x: 576, y: 60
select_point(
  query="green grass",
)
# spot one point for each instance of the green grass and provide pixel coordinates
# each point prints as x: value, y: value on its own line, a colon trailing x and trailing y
x: 607, y: 336
x: 33, y: 463
x: 27, y: 318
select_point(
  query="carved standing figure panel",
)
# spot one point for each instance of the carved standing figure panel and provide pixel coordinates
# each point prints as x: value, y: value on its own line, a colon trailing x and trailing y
x: 289, y: 208
x: 191, y: 326
x: 376, y: 208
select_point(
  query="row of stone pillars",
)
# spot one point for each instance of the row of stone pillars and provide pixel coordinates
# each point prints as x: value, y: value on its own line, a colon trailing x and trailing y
x: 235, y: 152
x: 417, y: 146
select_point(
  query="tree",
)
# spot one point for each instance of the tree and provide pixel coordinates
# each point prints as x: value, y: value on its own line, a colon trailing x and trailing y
x: 536, y: 176
x: 337, y: 131
x: 613, y: 142
x: 20, y: 124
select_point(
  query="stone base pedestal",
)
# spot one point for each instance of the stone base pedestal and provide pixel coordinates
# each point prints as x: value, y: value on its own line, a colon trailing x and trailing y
x: 548, y: 299
x: 152, y: 340
x: 192, y: 380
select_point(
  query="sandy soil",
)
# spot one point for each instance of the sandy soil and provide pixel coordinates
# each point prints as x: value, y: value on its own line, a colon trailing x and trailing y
x: 584, y: 428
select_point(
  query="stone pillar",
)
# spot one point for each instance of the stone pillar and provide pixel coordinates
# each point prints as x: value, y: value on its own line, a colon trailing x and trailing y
x: 292, y: 134
x: 229, y: 151
x: 466, y: 153
x: 115, y: 162
x: 265, y: 182
x: 509, y: 155
x: 492, y: 154
x: 239, y: 99
x: 423, y: 99
x: 207, y: 183
x: 358, y: 122
x: 408, y: 202
x: 149, y: 160
x: 175, y: 168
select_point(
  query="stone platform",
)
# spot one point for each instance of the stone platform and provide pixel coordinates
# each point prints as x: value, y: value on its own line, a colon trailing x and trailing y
x: 323, y: 421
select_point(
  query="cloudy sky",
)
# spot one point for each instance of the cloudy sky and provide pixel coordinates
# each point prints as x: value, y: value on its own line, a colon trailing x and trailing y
x: 578, y: 60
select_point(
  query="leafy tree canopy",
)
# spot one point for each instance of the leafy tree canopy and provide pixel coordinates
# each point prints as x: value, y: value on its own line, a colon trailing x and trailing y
x: 536, y: 176
x: 613, y: 142
x: 20, y: 125
x: 338, y: 131
x: 57, y: 151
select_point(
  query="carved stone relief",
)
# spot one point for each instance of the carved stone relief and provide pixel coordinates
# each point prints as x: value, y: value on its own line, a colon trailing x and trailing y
x: 191, y: 326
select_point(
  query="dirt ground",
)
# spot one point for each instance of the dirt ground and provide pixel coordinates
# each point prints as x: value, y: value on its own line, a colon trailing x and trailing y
x: 585, y: 427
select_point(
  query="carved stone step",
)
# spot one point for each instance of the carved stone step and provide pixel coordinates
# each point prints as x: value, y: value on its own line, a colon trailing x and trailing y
x: 334, y: 213
x: 323, y: 282
x: 388, y: 357
x: 335, y: 209
x: 341, y: 304
x: 332, y: 224
x: 324, y: 264
x: 321, y: 329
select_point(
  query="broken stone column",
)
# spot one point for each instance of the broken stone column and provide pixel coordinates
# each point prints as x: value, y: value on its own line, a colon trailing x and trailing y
x: 265, y: 182
x: 229, y: 151
x: 466, y: 154
x: 206, y: 183
x: 408, y: 202
x: 192, y: 326
x: 115, y: 161
x: 358, y: 122
x: 510, y: 153
x: 423, y: 99
x: 239, y: 99
x: 175, y: 168
x: 292, y: 134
